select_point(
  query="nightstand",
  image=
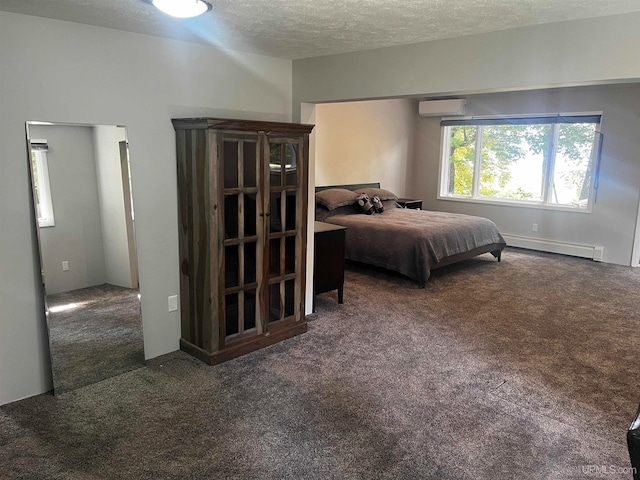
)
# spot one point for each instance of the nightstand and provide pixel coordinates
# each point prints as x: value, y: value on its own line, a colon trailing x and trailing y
x: 410, y: 203
x: 328, y: 272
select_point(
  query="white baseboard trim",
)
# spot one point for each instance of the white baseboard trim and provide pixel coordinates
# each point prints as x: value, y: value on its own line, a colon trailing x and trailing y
x: 594, y: 252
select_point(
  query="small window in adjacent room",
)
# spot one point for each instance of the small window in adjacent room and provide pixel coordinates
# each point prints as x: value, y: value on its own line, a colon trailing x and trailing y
x: 548, y: 161
x: 42, y: 188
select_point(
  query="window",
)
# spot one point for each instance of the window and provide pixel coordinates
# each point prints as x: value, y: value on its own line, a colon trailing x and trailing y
x: 41, y: 189
x: 544, y: 161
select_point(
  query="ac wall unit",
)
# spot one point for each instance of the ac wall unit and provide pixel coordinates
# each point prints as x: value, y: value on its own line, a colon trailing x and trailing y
x: 442, y: 108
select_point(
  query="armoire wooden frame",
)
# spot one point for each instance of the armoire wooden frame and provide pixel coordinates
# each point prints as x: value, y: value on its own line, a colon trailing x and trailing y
x: 242, y: 203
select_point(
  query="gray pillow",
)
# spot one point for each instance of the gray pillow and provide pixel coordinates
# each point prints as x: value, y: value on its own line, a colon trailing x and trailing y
x: 336, y: 197
x: 322, y: 213
x: 389, y: 204
x: 380, y: 192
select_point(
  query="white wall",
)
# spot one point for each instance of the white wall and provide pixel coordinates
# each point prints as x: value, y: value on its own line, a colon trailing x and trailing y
x: 66, y: 72
x: 613, y: 219
x: 565, y: 53
x: 107, y: 140
x: 77, y: 234
x: 360, y: 142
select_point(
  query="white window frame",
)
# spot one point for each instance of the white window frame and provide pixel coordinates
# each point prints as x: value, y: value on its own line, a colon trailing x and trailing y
x: 44, y: 209
x: 548, y: 174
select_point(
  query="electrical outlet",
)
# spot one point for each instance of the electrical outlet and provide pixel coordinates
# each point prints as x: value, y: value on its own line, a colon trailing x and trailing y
x: 65, y: 266
x: 173, y: 303
x: 534, y: 227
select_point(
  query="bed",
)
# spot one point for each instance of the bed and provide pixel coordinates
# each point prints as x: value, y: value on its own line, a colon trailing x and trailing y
x: 411, y: 242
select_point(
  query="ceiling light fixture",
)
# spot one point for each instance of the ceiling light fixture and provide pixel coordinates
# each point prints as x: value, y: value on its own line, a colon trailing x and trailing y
x: 182, y: 8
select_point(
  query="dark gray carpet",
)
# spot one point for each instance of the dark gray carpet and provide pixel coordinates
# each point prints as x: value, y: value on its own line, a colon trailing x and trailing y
x: 98, y: 339
x: 523, y: 369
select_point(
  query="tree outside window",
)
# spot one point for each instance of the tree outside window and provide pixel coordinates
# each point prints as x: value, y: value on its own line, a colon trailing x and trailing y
x: 548, y: 163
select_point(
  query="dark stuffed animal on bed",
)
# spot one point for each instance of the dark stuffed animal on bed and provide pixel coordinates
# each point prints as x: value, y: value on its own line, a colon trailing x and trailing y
x: 365, y: 204
x: 377, y: 204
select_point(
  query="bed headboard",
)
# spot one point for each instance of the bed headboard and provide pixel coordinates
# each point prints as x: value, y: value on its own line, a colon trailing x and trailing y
x: 355, y: 186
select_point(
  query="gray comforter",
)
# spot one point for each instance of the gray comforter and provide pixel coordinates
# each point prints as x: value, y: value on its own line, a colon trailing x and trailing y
x: 413, y: 241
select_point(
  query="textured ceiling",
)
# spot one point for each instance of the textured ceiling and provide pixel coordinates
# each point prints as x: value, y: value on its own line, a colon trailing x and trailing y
x: 306, y: 28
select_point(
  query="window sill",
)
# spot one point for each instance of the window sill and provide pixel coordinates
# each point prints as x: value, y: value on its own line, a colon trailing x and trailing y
x: 46, y: 223
x: 516, y: 204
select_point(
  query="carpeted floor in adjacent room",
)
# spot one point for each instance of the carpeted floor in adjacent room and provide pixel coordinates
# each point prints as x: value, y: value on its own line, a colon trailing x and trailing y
x: 520, y: 369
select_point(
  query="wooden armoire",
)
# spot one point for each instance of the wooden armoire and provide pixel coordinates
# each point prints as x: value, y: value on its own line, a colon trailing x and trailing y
x: 242, y: 199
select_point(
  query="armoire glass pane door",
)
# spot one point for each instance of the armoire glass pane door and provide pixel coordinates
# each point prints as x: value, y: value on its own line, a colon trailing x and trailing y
x: 284, y: 232
x: 240, y: 178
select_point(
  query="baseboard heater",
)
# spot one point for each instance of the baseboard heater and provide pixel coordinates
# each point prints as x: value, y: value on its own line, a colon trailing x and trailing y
x: 593, y: 252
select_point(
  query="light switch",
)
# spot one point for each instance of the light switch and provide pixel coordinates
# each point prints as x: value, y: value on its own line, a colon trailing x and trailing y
x: 173, y: 303
x: 65, y: 266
